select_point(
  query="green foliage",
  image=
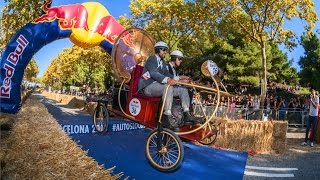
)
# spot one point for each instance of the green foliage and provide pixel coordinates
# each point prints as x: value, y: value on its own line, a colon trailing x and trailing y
x: 78, y: 66
x: 262, y: 22
x: 304, y: 91
x: 179, y: 23
x: 15, y: 15
x: 245, y: 65
x: 310, y: 61
x: 281, y: 70
x: 31, y: 71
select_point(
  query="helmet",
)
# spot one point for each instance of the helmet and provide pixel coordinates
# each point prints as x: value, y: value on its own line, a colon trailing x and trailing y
x: 176, y: 53
x: 161, y: 44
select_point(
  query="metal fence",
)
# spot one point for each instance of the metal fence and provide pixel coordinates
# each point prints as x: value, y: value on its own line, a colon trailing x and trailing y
x: 294, y: 117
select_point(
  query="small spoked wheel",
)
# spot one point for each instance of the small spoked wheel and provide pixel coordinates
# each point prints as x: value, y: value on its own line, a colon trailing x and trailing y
x: 164, y: 150
x: 100, y: 119
x: 210, y: 136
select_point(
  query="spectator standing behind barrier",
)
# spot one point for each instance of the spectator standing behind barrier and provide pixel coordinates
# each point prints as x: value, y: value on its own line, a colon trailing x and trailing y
x: 209, y: 100
x: 232, y: 108
x: 209, y: 103
x: 282, y: 109
x: 313, y: 117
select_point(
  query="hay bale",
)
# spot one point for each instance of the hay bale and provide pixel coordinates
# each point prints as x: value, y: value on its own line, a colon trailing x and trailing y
x: 279, y: 145
x: 75, y: 103
x: 280, y: 128
x: 38, y: 148
x: 68, y: 100
x: 247, y: 135
x: 25, y: 95
x: 91, y: 106
x: 7, y: 118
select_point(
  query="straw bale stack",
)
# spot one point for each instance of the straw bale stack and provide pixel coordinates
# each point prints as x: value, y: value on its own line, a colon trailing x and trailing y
x: 91, y: 106
x: 70, y: 101
x: 6, y: 123
x: 25, y: 95
x: 244, y: 135
x: 7, y: 118
x: 38, y: 148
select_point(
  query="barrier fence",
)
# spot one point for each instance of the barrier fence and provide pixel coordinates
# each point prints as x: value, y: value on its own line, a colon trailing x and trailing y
x: 294, y: 117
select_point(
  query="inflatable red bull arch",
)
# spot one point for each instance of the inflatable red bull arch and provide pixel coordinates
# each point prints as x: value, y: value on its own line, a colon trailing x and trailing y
x: 87, y: 25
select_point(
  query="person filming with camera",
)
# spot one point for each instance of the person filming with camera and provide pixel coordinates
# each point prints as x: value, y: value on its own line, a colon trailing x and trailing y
x: 313, y: 117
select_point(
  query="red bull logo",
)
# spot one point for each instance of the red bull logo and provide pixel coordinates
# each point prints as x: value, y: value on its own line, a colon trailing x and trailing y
x: 90, y: 23
x: 110, y: 29
x: 13, y: 58
x: 129, y: 38
x: 69, y: 16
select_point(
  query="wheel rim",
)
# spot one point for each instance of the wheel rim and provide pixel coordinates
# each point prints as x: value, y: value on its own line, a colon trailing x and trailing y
x: 168, y: 155
x: 100, y: 119
x: 212, y: 138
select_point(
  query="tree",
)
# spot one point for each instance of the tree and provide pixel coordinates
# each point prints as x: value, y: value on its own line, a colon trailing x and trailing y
x: 241, y: 61
x: 281, y: 70
x: 78, y: 66
x: 262, y: 21
x: 244, y: 65
x: 31, y: 71
x: 15, y: 15
x: 179, y: 23
x: 310, y: 61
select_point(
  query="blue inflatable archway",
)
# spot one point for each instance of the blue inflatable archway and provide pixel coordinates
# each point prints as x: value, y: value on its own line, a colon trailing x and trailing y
x: 87, y: 25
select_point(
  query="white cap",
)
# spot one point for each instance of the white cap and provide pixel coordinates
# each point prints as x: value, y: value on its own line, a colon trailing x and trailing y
x: 176, y: 53
x: 161, y: 44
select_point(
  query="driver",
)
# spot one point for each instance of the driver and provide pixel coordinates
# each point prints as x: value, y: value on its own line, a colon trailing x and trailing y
x: 154, y: 81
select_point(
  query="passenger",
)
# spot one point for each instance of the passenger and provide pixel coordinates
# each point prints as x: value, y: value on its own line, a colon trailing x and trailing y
x: 176, y: 57
x: 175, y: 61
x: 154, y: 81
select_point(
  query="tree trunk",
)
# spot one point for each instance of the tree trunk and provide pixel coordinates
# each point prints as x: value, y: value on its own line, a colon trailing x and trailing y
x: 264, y: 73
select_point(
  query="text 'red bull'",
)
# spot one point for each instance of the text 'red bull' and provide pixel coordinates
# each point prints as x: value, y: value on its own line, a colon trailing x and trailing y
x: 13, y: 58
x: 109, y: 28
x: 69, y: 16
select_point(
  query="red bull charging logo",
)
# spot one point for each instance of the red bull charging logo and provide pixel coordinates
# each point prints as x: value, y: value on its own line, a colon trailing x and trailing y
x: 89, y: 22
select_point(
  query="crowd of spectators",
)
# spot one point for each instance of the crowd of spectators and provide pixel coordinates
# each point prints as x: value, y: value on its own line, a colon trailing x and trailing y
x: 248, y: 106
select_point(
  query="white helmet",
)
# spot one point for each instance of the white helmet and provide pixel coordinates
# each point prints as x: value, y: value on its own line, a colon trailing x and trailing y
x: 176, y: 53
x: 161, y: 44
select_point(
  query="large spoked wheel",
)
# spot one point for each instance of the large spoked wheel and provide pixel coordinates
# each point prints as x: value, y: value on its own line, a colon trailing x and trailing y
x: 211, y: 136
x: 165, y: 150
x: 100, y: 119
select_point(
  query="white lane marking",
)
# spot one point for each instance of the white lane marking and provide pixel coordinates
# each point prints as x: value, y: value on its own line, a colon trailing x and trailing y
x: 250, y: 173
x: 271, y: 168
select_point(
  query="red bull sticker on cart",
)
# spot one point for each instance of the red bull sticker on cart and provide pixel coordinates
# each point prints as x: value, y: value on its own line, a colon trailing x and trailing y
x: 134, y: 107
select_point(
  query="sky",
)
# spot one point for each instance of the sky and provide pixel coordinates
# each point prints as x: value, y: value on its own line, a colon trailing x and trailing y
x: 120, y: 7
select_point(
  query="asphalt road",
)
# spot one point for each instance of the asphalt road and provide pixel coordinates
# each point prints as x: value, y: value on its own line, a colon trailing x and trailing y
x: 298, y: 162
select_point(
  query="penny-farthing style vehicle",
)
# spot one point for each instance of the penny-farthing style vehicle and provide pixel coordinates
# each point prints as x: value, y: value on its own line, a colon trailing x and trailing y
x: 164, y: 148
